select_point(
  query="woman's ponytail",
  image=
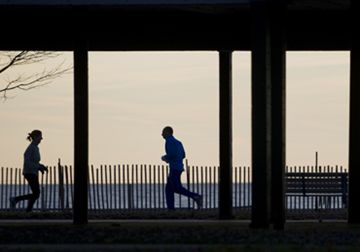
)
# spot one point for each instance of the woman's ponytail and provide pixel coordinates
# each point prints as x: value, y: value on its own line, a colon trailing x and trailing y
x: 29, y: 137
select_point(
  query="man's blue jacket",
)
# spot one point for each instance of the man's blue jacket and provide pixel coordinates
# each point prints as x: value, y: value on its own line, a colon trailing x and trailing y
x: 175, y: 153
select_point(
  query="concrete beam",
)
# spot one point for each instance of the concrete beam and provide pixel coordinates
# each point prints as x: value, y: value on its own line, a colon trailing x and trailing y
x: 261, y: 116
x: 225, y: 176
x: 81, y: 146
x: 278, y: 115
x: 354, y: 120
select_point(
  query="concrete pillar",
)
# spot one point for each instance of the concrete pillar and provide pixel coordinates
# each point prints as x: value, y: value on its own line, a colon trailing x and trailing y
x: 278, y: 114
x: 225, y: 176
x: 261, y: 116
x: 81, y: 151
x: 354, y: 122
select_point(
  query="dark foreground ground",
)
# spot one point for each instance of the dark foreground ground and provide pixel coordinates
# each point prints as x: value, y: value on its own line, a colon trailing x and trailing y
x: 38, y: 232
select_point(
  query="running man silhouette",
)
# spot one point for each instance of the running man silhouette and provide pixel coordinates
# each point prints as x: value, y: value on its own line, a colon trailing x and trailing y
x: 175, y: 154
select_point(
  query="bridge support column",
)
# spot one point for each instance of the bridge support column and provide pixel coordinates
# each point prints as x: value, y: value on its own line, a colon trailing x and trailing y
x: 261, y: 114
x: 268, y: 115
x: 354, y: 122
x: 278, y: 115
x: 81, y: 146
x: 225, y: 176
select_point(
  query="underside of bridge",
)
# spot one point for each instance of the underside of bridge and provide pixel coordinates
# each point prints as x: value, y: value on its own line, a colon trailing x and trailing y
x: 268, y: 28
x: 183, y: 25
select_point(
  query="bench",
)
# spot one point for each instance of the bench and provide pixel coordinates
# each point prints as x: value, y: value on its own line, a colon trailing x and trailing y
x: 320, y: 186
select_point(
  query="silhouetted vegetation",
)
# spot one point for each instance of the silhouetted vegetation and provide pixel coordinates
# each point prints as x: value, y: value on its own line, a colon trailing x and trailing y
x: 21, y: 81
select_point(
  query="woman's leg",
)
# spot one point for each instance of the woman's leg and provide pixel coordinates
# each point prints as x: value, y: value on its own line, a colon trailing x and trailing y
x: 26, y: 196
x: 33, y: 181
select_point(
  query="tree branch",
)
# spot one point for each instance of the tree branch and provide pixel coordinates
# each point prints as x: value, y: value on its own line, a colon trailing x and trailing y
x: 11, y: 59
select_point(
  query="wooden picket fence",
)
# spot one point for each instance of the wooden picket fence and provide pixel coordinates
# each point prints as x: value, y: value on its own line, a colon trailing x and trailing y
x: 53, y: 186
x: 116, y: 187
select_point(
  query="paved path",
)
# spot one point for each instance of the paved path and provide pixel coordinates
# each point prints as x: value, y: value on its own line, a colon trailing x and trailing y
x: 69, y: 221
x: 174, y: 235
x: 118, y: 247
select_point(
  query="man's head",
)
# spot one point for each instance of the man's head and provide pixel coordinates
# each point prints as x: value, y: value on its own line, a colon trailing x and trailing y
x: 167, y: 131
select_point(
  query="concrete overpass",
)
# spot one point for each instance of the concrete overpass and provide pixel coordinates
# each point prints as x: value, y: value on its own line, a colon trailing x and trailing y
x: 167, y: 24
x: 266, y: 27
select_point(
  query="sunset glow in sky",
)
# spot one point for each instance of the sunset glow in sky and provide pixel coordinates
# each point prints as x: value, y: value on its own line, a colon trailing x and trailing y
x: 133, y: 95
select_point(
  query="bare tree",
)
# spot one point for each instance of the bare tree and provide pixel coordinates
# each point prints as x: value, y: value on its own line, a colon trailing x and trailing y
x: 11, y: 59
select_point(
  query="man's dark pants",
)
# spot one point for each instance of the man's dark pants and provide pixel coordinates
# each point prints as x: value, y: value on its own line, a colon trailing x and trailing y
x: 174, y: 186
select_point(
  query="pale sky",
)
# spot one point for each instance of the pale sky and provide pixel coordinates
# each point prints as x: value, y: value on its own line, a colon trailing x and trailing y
x: 133, y: 95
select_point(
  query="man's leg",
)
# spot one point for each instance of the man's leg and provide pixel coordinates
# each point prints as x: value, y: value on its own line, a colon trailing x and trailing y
x: 178, y: 188
x: 169, y: 190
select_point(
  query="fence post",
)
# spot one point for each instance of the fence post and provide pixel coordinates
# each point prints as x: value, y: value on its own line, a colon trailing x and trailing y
x: 130, y: 196
x: 187, y: 179
x: 42, y: 194
x: 129, y: 189
x: 61, y: 185
x: 344, y: 187
x: 42, y: 199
